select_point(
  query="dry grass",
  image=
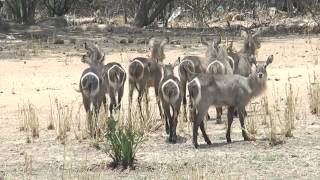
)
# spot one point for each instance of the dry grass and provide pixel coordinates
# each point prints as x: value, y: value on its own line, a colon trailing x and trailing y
x: 27, y: 166
x: 251, y: 121
x: 314, y: 95
x: 29, y: 121
x: 290, y: 110
x: 63, y: 119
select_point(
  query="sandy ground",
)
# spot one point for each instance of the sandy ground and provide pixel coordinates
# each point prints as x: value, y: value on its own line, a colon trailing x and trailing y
x: 34, y: 73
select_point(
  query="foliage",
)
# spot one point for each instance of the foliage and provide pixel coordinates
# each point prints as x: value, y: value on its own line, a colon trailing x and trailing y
x: 23, y: 11
x: 58, y: 7
x: 123, y: 142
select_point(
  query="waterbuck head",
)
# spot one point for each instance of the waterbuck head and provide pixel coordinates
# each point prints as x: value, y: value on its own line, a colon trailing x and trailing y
x: 251, y: 41
x: 213, y: 48
x: 261, y: 70
x: 94, y: 56
x: 168, y: 70
x: 157, y: 49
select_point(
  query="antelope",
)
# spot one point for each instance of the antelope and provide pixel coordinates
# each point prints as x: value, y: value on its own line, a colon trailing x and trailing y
x: 91, y: 86
x: 171, y: 97
x: 243, y: 59
x: 234, y: 91
x: 219, y: 63
x: 145, y: 73
x: 113, y: 75
x: 197, y: 65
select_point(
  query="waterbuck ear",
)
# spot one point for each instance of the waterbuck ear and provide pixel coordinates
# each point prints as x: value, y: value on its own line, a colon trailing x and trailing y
x: 269, y: 60
x: 152, y: 41
x: 203, y: 41
x: 164, y: 42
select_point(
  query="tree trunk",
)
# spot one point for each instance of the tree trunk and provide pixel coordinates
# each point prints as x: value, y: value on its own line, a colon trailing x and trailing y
x: 142, y: 17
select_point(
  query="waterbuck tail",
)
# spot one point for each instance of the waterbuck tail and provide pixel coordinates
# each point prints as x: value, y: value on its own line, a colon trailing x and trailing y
x: 136, y: 70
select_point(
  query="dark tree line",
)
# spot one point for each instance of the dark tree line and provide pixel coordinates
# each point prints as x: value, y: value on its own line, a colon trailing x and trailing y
x: 145, y: 12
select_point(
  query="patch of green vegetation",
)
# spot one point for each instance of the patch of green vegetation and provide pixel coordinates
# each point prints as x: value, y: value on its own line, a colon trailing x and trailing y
x: 265, y: 157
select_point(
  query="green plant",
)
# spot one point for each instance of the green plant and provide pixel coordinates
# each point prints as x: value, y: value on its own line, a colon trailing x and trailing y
x: 123, y: 142
x: 22, y: 10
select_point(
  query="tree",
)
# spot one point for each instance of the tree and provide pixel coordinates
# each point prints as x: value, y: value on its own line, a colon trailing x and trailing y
x: 58, y: 7
x: 22, y: 10
x: 148, y: 10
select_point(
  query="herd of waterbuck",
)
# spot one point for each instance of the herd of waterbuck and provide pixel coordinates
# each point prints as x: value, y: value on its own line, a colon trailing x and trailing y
x: 224, y: 77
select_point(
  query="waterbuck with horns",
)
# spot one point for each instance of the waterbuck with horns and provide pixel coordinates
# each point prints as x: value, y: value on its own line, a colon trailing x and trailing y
x: 197, y: 65
x: 243, y: 60
x: 145, y: 73
x: 92, y: 86
x: 234, y: 91
x: 219, y: 63
x: 171, y: 96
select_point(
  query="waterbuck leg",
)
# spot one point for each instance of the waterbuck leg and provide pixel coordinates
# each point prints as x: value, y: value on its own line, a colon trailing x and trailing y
x: 230, y: 120
x: 219, y: 113
x: 89, y: 122
x: 243, y: 128
x: 131, y: 88
x: 174, y: 125
x: 204, y: 134
x: 141, y: 91
x: 120, y: 95
x: 158, y: 100
x: 166, y: 117
x: 191, y: 116
x: 104, y: 100
x: 202, y: 112
x: 184, y: 100
x: 112, y: 101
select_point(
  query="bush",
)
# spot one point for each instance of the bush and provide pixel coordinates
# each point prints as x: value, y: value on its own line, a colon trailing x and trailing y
x: 123, y: 143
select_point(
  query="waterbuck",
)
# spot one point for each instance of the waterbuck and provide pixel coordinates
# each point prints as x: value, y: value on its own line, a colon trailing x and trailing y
x: 115, y: 77
x: 171, y: 96
x: 91, y: 86
x: 234, y: 91
x: 243, y: 59
x: 113, y: 74
x: 145, y: 73
x: 197, y: 65
x: 219, y: 63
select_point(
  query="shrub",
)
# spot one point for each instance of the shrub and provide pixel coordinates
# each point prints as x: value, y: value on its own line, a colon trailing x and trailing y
x: 123, y: 142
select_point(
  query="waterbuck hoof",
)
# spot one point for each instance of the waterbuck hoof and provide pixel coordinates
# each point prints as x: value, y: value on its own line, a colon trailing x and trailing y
x: 219, y: 121
x: 173, y: 140
x: 228, y: 140
x: 209, y: 142
x: 196, y: 145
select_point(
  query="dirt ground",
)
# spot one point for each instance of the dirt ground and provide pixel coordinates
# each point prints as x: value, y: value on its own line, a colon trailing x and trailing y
x: 37, y: 73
